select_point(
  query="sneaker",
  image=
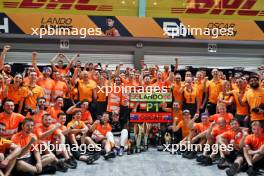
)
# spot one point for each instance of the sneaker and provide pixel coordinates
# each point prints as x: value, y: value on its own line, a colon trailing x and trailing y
x: 200, y: 158
x: 160, y: 148
x: 207, y: 161
x: 222, y: 164
x: 121, y: 151
x: 244, y: 167
x: 185, y: 154
x: 251, y: 171
x: 109, y: 155
x: 232, y: 170
x: 69, y: 164
x: 191, y: 155
x: 116, y: 151
x: 138, y: 150
x: 61, y: 166
x: 73, y: 160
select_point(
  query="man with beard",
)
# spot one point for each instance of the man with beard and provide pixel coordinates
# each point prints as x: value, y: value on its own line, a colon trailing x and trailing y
x: 254, y: 97
x: 5, y: 68
x: 56, y: 109
x: 44, y: 79
x: 111, y: 31
x: 10, y: 119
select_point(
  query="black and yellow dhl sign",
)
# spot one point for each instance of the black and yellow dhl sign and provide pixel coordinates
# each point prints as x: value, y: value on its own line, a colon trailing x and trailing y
x: 210, y: 9
x: 88, y: 7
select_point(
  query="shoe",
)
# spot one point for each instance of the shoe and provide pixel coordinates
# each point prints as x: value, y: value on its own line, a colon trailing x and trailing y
x: 68, y: 163
x: 244, y: 167
x: 251, y: 171
x: 200, y: 158
x: 73, y: 160
x: 138, y: 150
x: 207, y: 161
x: 61, y: 166
x: 191, y: 155
x: 160, y: 148
x: 232, y: 170
x: 121, y: 151
x: 115, y: 150
x: 142, y: 148
x: 145, y: 147
x: 222, y: 164
x: 49, y: 170
x: 185, y: 154
x: 109, y: 155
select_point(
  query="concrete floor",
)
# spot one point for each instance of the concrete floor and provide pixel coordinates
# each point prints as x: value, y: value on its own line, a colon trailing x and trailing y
x: 150, y: 163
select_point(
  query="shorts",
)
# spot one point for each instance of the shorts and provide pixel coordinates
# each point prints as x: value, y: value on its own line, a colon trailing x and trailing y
x: 30, y: 160
x: 234, y: 154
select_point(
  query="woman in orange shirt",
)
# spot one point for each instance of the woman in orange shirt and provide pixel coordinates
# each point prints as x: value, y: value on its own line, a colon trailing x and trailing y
x: 17, y: 92
x: 225, y: 97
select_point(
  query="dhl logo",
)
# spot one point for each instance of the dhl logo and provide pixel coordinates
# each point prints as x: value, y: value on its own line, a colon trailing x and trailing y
x: 217, y: 7
x: 58, y: 4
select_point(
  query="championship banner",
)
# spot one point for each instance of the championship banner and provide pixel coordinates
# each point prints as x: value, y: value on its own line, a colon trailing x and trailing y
x: 151, y: 97
x: 167, y: 28
x: 209, y: 9
x: 85, y: 7
x: 158, y: 117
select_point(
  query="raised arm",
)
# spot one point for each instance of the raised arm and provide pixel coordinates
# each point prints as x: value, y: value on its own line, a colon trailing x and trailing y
x: 3, y: 55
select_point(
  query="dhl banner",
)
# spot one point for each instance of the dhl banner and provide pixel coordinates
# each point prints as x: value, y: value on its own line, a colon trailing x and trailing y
x: 87, y: 7
x: 210, y: 29
x: 157, y: 117
x: 209, y: 9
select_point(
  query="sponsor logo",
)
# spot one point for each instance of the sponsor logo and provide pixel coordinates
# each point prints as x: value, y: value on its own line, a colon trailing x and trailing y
x: 220, y: 7
x: 4, y: 27
x: 58, y: 4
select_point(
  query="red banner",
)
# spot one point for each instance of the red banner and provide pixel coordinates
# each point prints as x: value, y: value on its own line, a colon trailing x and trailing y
x: 157, y: 117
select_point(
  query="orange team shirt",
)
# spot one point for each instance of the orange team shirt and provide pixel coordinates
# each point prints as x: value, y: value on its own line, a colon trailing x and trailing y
x: 60, y: 88
x: 224, y: 97
x: 54, y: 113
x: 37, y: 117
x: 199, y: 86
x: 4, y: 145
x: 62, y: 71
x: 22, y: 139
x: 165, y: 75
x: 86, y: 115
x: 201, y: 127
x: 17, y: 94
x: 80, y: 124
x: 233, y: 135
x: 240, y: 110
x: 255, y: 142
x: 254, y: 98
x: 41, y: 129
x: 114, y: 101
x: 214, y: 88
x: 47, y: 85
x: 36, y: 93
x: 190, y: 97
x: 217, y: 131
x: 177, y: 95
x: 177, y: 115
x: 113, y: 32
x: 2, y: 89
x: 184, y: 127
x: 103, y: 129
x: 86, y: 90
x: 101, y: 94
x: 227, y: 116
x: 11, y: 123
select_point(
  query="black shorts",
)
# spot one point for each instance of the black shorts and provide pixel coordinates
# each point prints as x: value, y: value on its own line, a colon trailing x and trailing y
x: 234, y: 154
x: 30, y: 160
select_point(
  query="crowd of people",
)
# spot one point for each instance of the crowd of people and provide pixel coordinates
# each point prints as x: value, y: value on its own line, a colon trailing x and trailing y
x: 70, y: 107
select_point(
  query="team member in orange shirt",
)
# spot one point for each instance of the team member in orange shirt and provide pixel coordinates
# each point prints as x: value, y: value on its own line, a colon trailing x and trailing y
x: 254, y: 97
x: 8, y: 160
x: 86, y: 115
x: 200, y: 86
x: 254, y: 148
x: 231, y: 139
x: 190, y: 94
x: 115, y: 95
x: 2, y: 88
x: 35, y: 92
x: 166, y: 72
x: 59, y: 68
x: 183, y: 125
x: 177, y: 89
x: 222, y: 113
x: 17, y: 92
x: 60, y: 88
x: 241, y: 110
x: 56, y: 108
x: 40, y: 111
x: 10, y: 119
x: 28, y: 163
x: 100, y: 97
x: 225, y: 97
x: 216, y: 128
x: 79, y: 130
x: 214, y: 87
